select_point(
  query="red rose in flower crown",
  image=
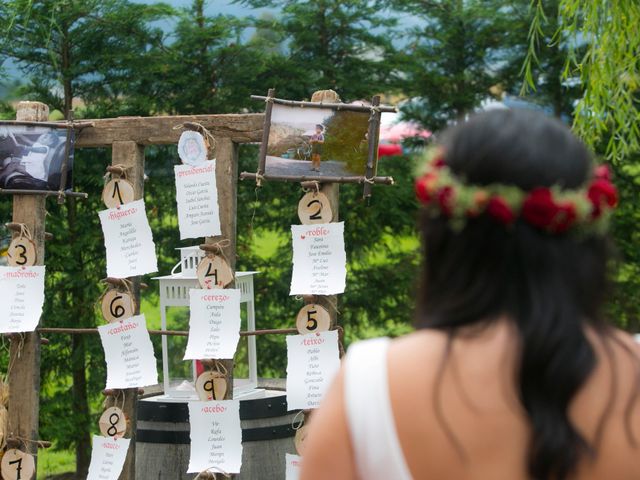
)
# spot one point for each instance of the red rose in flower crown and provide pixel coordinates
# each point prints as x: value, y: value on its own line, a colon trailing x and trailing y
x: 446, y: 198
x: 602, y: 192
x: 499, y: 210
x: 424, y: 186
x: 539, y: 209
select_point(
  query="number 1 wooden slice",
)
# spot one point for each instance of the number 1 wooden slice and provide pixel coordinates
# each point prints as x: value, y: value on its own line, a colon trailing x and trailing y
x: 211, y: 386
x: 116, y: 192
x: 113, y: 423
x: 214, y: 272
x: 21, y: 253
x: 17, y: 465
x: 313, y: 318
x: 117, y: 306
x: 314, y: 207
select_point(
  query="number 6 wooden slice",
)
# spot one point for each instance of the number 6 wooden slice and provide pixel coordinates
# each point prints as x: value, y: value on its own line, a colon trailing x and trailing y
x: 117, y: 306
x: 113, y: 423
x: 17, y: 465
x: 116, y: 192
x: 214, y: 272
x: 313, y: 318
x: 21, y: 253
x: 314, y: 207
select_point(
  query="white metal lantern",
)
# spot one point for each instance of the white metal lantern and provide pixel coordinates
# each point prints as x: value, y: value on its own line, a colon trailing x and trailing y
x: 174, y: 292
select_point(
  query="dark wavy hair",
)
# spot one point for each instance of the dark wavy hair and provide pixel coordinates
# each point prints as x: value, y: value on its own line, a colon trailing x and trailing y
x: 550, y: 286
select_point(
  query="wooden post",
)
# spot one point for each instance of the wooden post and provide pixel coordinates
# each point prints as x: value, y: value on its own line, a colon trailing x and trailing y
x: 24, y: 374
x: 131, y: 155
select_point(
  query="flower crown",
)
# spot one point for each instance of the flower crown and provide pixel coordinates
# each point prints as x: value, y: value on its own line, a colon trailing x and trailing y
x: 552, y: 209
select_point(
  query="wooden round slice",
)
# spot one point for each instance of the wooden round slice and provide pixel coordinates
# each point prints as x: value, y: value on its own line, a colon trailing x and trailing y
x: 211, y: 385
x: 313, y: 318
x: 117, y: 306
x: 214, y: 272
x: 21, y: 252
x: 314, y: 207
x: 113, y: 423
x: 192, y: 149
x: 17, y: 465
x: 116, y: 192
x: 301, y: 436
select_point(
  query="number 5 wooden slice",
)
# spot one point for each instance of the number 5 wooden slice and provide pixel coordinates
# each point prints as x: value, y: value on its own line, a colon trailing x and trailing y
x: 117, y: 306
x: 116, y: 192
x: 17, y: 465
x: 314, y: 207
x: 313, y: 318
x: 214, y: 272
x: 21, y: 252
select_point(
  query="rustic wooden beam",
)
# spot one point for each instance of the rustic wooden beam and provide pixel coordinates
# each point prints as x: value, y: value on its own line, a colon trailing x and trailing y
x: 244, y: 128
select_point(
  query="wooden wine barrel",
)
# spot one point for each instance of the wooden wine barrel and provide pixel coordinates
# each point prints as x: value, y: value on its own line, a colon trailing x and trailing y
x: 162, y: 438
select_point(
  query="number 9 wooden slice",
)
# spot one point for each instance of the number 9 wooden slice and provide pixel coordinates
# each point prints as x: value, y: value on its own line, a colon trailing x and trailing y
x: 211, y: 386
x: 117, y: 306
x: 116, y: 192
x: 314, y: 207
x: 113, y: 423
x: 17, y: 465
x: 214, y: 272
x: 313, y: 318
x: 21, y: 252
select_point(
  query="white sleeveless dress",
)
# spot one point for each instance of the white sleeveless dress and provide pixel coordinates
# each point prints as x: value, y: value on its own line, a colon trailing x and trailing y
x: 373, y: 431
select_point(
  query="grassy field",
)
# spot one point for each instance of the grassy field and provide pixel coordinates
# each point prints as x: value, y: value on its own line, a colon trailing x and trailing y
x: 51, y: 463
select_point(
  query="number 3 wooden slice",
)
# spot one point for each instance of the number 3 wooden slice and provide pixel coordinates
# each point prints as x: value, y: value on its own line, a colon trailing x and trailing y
x: 17, y: 465
x: 22, y: 252
x: 116, y: 192
x: 214, y: 272
x: 211, y: 386
x: 314, y: 207
x: 113, y: 423
x: 117, y: 306
x: 313, y: 318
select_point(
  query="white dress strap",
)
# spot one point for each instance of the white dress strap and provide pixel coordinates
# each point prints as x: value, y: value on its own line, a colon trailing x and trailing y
x: 369, y: 414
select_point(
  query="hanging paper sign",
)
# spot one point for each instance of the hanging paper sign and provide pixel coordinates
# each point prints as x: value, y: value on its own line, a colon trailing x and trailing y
x: 314, y: 207
x: 21, y: 298
x: 17, y: 465
x: 113, y: 423
x: 300, y: 438
x: 214, y: 272
x: 116, y: 192
x: 117, y: 306
x: 129, y: 353
x: 21, y: 252
x: 128, y: 240
x: 191, y: 148
x: 107, y: 457
x: 216, y: 436
x: 293, y: 462
x: 319, y: 259
x: 214, y: 323
x: 313, y: 318
x: 211, y: 385
x: 312, y: 362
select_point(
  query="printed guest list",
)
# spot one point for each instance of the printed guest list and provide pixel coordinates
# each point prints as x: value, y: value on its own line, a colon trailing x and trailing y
x: 292, y: 471
x: 21, y: 298
x: 129, y: 353
x: 197, y: 199
x: 319, y: 259
x: 214, y: 323
x: 216, y: 436
x: 128, y: 240
x: 312, y: 362
x: 107, y: 458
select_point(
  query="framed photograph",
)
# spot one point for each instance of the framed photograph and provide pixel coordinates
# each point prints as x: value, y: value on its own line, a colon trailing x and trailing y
x: 36, y: 157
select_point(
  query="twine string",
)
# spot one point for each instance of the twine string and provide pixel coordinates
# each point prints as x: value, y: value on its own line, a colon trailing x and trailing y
x: 297, y: 426
x: 209, y: 471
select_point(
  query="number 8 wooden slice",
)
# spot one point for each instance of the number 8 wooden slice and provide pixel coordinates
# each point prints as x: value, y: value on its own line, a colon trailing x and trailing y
x: 113, y: 423
x: 313, y: 318
x: 314, y: 207
x: 21, y: 252
x: 117, y: 306
x: 17, y: 465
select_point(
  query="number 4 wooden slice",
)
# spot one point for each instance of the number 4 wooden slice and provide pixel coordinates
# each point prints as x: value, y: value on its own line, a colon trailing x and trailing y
x: 214, y: 272
x: 314, y: 207
x: 17, y: 465
x: 313, y: 318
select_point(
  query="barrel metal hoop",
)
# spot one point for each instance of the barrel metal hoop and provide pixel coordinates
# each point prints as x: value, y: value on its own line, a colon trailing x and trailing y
x: 182, y: 437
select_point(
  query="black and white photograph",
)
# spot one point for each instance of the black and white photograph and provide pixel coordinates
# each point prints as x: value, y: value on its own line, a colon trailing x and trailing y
x: 31, y: 157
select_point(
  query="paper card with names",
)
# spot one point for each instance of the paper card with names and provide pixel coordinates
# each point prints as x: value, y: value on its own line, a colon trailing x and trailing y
x: 128, y: 240
x: 129, y: 353
x: 319, y: 259
x: 107, y: 457
x: 21, y: 298
x: 292, y: 471
x: 214, y: 323
x: 216, y: 436
x: 197, y: 199
x: 312, y: 362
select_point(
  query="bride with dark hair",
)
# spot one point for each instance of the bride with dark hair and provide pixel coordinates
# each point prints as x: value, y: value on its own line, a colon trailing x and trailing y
x: 513, y: 373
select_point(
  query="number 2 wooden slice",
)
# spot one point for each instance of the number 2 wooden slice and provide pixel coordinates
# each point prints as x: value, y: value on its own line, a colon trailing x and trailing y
x: 17, y: 465
x: 22, y: 252
x: 214, y: 272
x: 113, y: 423
x: 117, y: 306
x: 116, y: 192
x: 313, y: 318
x: 314, y: 207
x: 211, y: 386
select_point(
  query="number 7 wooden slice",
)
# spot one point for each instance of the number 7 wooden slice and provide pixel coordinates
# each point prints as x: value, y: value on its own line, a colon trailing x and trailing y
x: 17, y: 465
